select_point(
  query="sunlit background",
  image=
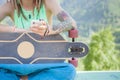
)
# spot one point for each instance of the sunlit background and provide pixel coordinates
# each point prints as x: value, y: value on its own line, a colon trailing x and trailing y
x: 99, y: 26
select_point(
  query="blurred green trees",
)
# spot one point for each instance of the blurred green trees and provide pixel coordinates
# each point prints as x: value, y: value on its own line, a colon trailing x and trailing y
x: 102, y: 54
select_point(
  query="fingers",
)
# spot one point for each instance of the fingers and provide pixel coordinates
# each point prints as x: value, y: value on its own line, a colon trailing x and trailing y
x: 40, y: 32
x: 39, y: 26
x: 36, y: 29
x: 40, y: 22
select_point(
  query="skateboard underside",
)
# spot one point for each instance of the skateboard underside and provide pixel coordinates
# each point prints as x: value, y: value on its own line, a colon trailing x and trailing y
x: 30, y: 48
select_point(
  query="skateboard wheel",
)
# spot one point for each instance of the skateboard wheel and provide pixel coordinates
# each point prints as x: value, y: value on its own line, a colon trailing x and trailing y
x: 74, y: 62
x: 73, y: 33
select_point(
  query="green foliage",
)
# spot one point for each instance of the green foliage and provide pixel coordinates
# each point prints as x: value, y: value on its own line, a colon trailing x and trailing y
x: 102, y: 54
x: 117, y: 40
x: 117, y: 35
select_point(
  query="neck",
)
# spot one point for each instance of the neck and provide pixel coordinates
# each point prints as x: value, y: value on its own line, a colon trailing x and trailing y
x: 28, y: 4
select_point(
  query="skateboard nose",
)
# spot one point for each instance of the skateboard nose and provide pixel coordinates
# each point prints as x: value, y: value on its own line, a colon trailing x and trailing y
x: 25, y: 49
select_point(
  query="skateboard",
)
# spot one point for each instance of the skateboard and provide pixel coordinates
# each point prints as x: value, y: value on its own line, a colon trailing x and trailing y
x: 31, y: 48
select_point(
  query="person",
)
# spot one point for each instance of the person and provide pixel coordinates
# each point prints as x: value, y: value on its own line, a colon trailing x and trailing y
x: 36, y: 16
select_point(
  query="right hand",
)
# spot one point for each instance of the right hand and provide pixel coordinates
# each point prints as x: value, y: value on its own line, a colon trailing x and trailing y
x: 39, y: 27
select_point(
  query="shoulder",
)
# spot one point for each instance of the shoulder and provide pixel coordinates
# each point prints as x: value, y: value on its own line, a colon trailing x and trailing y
x: 7, y: 8
x: 53, y: 6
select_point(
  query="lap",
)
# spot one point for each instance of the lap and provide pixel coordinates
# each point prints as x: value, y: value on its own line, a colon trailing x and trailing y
x: 44, y: 72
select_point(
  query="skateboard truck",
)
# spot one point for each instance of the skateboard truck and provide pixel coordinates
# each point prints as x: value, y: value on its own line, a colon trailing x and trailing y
x: 76, y: 49
x: 73, y: 33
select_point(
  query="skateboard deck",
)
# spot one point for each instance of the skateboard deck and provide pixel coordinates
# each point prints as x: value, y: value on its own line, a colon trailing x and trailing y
x: 30, y: 48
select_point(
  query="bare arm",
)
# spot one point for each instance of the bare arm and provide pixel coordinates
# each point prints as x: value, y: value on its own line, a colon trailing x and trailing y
x: 66, y: 21
x: 6, y: 28
x: 5, y: 11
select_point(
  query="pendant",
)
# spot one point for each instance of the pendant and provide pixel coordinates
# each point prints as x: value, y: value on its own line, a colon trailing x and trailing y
x: 29, y: 16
